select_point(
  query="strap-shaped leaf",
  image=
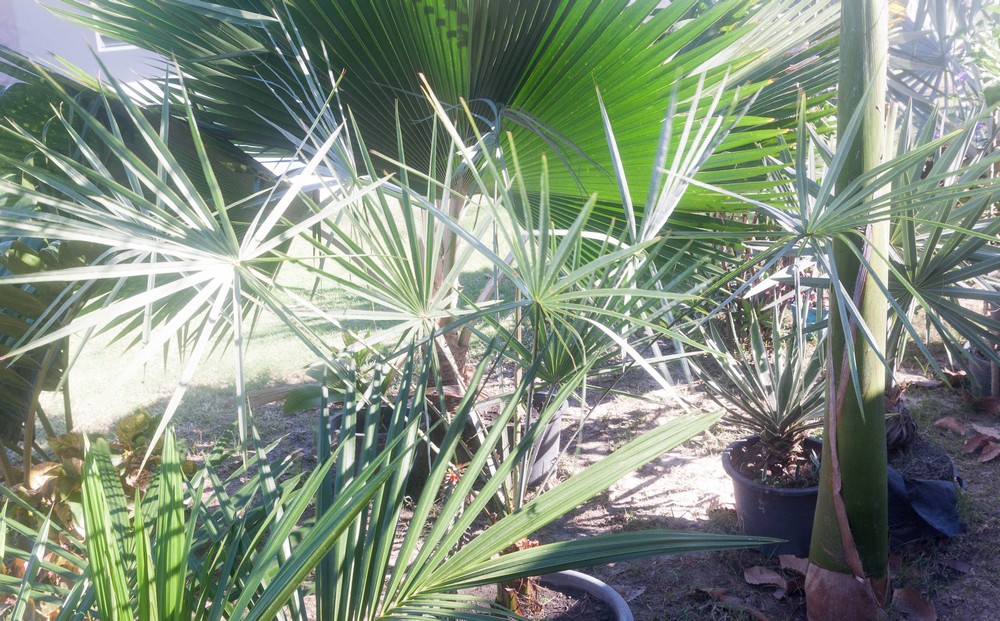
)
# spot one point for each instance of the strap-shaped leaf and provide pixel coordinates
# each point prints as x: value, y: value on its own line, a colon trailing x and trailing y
x: 170, y: 551
x: 105, y: 537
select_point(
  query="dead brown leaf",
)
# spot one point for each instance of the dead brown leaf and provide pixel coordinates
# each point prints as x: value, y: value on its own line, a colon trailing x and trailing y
x: 732, y: 602
x: 796, y: 583
x: 987, y: 405
x: 17, y: 568
x: 914, y: 605
x: 958, y: 565
x: 990, y: 452
x: 925, y: 383
x: 895, y: 564
x: 760, y: 576
x: 952, y: 425
x: 987, y: 430
x: 628, y: 592
x: 975, y: 443
x: 42, y: 477
x: 793, y: 563
x: 955, y: 378
x: 718, y: 593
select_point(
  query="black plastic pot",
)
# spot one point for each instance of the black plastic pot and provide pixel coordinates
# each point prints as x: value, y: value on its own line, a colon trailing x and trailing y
x: 765, y: 511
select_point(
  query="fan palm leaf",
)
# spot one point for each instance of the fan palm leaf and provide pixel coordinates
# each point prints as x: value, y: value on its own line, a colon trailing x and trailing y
x: 526, y: 67
x: 943, y: 242
x: 175, y: 252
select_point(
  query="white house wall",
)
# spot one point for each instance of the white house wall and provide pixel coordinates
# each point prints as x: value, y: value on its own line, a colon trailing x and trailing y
x: 30, y: 28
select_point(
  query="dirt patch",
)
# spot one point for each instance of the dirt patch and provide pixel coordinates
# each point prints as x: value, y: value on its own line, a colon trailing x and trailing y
x: 569, y: 604
x: 795, y: 469
x: 686, y: 489
x: 923, y: 459
x: 555, y: 603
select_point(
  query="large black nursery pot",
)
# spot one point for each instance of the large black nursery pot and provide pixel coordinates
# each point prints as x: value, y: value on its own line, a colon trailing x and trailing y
x: 765, y: 511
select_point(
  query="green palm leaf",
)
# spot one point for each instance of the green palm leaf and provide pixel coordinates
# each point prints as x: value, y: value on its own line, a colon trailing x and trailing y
x: 527, y: 67
x: 105, y: 537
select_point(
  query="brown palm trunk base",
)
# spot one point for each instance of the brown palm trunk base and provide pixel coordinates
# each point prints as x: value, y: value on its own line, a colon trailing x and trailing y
x: 520, y: 596
x: 834, y: 596
x: 451, y: 359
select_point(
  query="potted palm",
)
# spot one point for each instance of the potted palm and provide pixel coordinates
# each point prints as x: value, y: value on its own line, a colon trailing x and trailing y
x: 772, y: 389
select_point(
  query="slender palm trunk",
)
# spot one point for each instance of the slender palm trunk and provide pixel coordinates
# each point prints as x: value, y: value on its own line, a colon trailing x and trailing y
x: 847, y: 576
x: 451, y: 347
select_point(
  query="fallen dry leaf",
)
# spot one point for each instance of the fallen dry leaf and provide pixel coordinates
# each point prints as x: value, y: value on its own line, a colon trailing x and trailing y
x: 616, y: 569
x: 911, y: 603
x: 17, y: 568
x: 895, y: 564
x: 958, y: 565
x: 987, y: 405
x: 987, y: 430
x: 793, y: 563
x: 716, y: 593
x: 955, y: 378
x: 990, y: 452
x: 952, y: 425
x: 763, y: 576
x: 976, y: 442
x: 629, y: 593
x: 796, y: 584
x: 925, y: 383
x: 756, y: 614
x: 732, y: 602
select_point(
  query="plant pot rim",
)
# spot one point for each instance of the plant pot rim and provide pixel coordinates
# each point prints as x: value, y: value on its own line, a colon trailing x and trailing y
x: 593, y: 587
x: 727, y: 465
x: 975, y: 353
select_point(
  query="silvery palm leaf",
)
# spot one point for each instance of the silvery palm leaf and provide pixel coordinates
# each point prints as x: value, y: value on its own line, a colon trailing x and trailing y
x: 931, y: 60
x: 946, y: 204
x: 945, y: 254
x: 179, y: 257
x: 769, y: 379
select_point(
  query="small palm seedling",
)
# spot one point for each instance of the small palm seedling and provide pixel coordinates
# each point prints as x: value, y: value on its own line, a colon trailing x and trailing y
x: 771, y: 386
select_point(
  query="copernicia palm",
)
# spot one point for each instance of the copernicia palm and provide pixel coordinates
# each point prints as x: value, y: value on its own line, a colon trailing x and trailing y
x: 524, y: 67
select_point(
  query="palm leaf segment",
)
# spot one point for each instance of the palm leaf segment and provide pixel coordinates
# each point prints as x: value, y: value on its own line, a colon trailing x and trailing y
x: 528, y: 67
x: 23, y: 306
x: 933, y: 64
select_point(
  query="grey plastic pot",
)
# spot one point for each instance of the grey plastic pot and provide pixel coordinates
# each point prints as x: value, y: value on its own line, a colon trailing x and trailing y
x: 545, y: 456
x: 979, y: 366
x: 593, y: 587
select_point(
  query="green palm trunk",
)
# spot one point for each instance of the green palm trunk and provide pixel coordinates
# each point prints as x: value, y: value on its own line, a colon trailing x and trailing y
x: 855, y: 427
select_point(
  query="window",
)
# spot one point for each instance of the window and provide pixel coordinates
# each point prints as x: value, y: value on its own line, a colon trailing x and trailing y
x: 109, y: 44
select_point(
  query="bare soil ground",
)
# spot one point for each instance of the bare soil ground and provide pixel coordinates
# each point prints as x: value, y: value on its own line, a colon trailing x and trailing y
x: 686, y: 489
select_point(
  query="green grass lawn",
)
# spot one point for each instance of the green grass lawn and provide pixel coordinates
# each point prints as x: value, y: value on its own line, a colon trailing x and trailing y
x: 107, y: 383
